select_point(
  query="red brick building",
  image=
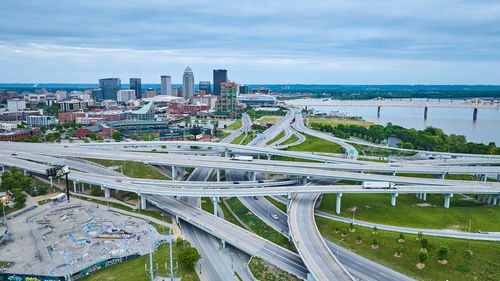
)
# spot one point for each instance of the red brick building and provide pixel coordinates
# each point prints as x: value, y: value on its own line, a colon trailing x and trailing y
x: 19, y: 134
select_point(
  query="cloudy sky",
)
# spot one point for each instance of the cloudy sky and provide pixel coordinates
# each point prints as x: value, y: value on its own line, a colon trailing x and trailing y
x: 270, y: 41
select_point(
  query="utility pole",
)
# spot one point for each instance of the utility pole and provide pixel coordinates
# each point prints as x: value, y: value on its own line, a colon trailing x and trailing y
x: 171, y: 259
x: 150, y: 254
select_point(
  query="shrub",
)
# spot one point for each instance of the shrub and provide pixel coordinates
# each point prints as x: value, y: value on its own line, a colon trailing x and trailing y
x: 442, y: 252
x: 401, y: 236
x: 95, y: 191
x: 399, y: 249
x: 422, y: 256
x: 374, y: 242
x: 359, y: 238
x: 375, y: 229
x: 424, y: 243
x: 420, y: 235
x: 351, y: 225
x: 337, y: 229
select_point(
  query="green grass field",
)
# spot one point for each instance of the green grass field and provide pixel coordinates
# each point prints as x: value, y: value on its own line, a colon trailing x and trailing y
x: 235, y: 125
x: 377, y: 208
x: 279, y: 205
x: 314, y: 144
x: 132, y: 169
x: 239, y: 139
x: 265, y: 271
x: 335, y: 122
x: 482, y: 264
x: 134, y: 270
x: 279, y: 136
x: 270, y: 119
x: 291, y: 139
x: 256, y: 224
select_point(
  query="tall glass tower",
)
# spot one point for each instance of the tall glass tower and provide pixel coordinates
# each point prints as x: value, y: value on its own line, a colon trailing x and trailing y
x: 135, y: 84
x: 220, y: 76
x: 109, y: 87
x: 188, y: 83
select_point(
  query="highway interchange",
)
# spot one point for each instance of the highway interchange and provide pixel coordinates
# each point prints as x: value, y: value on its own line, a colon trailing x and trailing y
x: 313, y: 249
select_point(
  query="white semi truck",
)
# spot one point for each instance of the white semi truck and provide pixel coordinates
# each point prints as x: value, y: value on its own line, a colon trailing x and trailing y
x: 378, y: 185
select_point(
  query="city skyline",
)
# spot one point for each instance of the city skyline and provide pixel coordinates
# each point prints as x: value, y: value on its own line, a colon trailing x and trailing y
x: 429, y: 42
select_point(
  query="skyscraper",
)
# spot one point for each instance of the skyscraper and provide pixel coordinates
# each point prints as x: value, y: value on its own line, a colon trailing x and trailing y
x: 205, y: 86
x: 166, y: 85
x: 220, y: 76
x: 135, y: 84
x: 109, y: 87
x: 188, y: 83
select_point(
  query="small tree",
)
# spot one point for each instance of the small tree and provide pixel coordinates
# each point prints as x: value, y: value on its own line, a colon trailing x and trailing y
x: 117, y: 135
x: 344, y: 231
x: 19, y: 197
x: 337, y: 229
x: 422, y: 256
x: 420, y: 235
x: 375, y: 229
x: 86, y: 140
x: 95, y: 191
x: 424, y: 243
x: 351, y: 226
x: 442, y: 252
x: 375, y: 242
x: 399, y: 249
x: 189, y: 257
x: 401, y: 236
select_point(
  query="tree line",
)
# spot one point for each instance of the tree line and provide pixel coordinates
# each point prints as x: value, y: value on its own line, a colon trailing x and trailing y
x: 430, y: 139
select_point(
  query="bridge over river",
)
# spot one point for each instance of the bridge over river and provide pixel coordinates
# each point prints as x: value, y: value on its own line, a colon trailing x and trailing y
x: 379, y: 102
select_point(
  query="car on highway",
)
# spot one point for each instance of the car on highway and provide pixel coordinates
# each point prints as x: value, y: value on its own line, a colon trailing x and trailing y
x: 275, y: 217
x: 256, y: 198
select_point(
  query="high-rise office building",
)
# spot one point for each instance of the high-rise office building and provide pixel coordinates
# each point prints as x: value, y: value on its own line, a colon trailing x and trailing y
x: 166, y: 85
x: 125, y: 95
x: 135, y: 84
x: 243, y: 89
x: 188, y: 83
x: 109, y: 87
x: 227, y: 103
x: 205, y: 86
x: 220, y: 76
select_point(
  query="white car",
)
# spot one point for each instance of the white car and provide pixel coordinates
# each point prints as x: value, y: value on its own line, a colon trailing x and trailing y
x: 275, y: 217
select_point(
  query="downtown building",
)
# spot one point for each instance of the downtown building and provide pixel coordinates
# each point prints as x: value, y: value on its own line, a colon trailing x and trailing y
x: 188, y: 83
x: 109, y: 87
x: 227, y: 103
x: 166, y: 85
x: 220, y: 76
x: 205, y: 86
x: 136, y: 85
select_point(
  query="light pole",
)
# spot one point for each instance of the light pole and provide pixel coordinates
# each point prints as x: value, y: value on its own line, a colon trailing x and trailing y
x: 163, y: 219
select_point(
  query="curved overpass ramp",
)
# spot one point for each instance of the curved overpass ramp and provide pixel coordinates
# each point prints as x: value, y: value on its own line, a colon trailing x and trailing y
x: 320, y: 261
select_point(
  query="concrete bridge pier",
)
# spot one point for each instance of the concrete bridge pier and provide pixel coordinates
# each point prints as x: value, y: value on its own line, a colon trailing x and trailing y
x: 378, y: 111
x: 51, y: 183
x: 3, y: 169
x: 424, y: 197
x: 489, y: 199
x: 177, y: 219
x: 214, y: 201
x: 223, y: 244
x: 174, y: 173
x: 443, y: 175
x: 226, y: 152
x: 288, y: 199
x: 107, y: 191
x: 485, y: 177
x: 74, y: 186
x: 253, y: 176
x: 425, y: 112
x: 143, y: 201
x: 337, y: 204
x: 393, y: 198
x: 479, y: 197
x: 495, y: 200
x: 393, y: 173
x: 474, y: 115
x: 217, y: 171
x: 268, y: 156
x: 24, y: 171
x: 447, y: 200
x: 304, y: 180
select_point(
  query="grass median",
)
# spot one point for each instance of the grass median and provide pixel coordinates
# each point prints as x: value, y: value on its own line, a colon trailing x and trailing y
x: 314, y: 144
x: 131, y: 168
x: 413, y: 212
x: 256, y: 224
x: 466, y: 260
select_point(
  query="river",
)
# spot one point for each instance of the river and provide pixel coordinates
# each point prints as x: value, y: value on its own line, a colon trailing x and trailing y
x: 452, y: 120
